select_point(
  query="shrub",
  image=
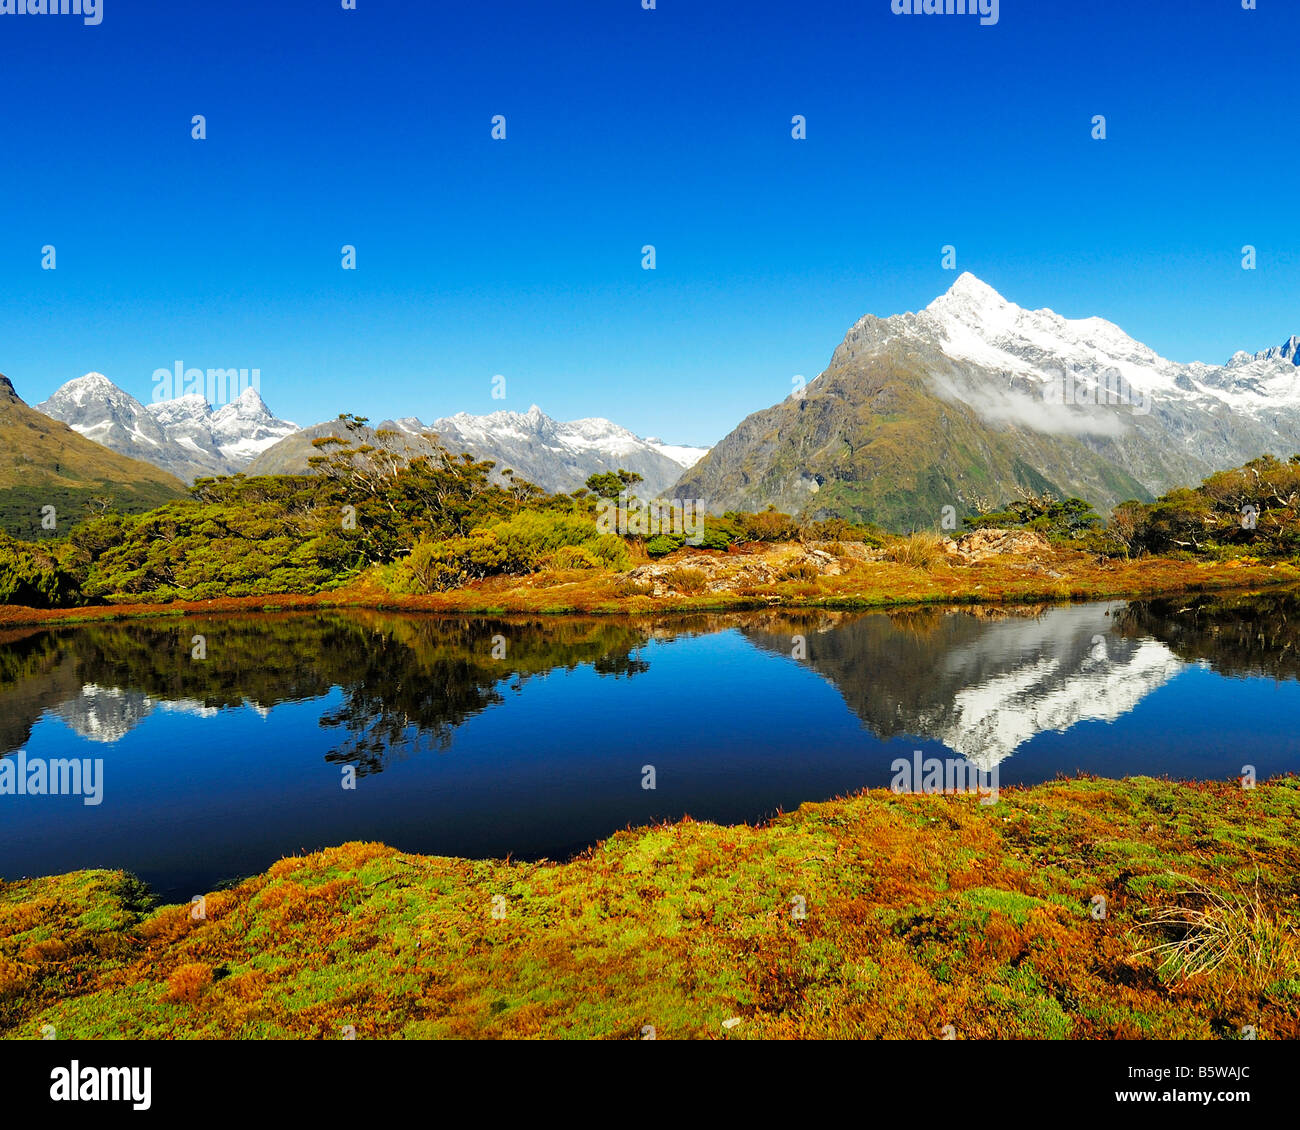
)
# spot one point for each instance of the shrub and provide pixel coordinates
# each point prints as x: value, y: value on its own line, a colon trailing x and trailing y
x: 664, y: 544
x: 188, y: 982
x: 1204, y: 520
x: 840, y: 530
x: 628, y: 586
x: 1071, y: 519
x: 524, y: 543
x: 574, y: 557
x: 766, y: 525
x: 30, y: 576
x: 434, y: 566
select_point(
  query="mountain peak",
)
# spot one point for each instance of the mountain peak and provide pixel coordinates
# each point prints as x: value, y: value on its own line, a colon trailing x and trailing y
x: 182, y: 435
x: 91, y: 387
x: 8, y: 394
x: 91, y: 379
x: 247, y: 403
x: 1289, y: 350
x: 970, y: 297
x: 967, y: 285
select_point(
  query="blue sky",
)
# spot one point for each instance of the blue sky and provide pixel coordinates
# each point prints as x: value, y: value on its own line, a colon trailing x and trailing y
x: 625, y: 127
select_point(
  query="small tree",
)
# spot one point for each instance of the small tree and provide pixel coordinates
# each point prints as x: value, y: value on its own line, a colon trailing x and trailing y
x: 610, y: 484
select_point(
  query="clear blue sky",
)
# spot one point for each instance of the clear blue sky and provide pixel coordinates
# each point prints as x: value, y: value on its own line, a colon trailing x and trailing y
x: 625, y: 127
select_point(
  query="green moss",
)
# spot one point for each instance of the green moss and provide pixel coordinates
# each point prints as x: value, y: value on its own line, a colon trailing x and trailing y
x: 917, y: 913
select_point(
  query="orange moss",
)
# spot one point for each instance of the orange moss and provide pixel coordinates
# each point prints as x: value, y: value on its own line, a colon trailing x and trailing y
x: 187, y: 984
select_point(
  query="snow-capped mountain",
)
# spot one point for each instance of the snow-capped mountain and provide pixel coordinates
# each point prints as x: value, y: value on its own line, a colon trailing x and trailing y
x: 985, y: 687
x: 976, y: 396
x: 974, y: 323
x: 556, y: 455
x: 184, y: 436
x: 559, y: 455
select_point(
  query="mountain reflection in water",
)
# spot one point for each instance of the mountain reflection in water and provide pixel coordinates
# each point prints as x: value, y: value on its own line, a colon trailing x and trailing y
x: 217, y: 766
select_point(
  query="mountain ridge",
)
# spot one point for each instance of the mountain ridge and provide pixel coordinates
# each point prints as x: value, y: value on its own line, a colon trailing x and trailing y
x: 556, y: 455
x: 45, y: 463
x: 185, y: 435
x: 973, y: 398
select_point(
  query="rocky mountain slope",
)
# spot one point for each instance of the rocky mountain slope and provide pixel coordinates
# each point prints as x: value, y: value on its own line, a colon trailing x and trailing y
x: 185, y: 436
x: 46, y: 463
x: 974, y: 396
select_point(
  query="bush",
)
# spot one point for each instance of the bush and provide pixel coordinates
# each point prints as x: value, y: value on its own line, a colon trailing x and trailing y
x: 664, y: 544
x: 1070, y: 519
x: 1208, y: 521
x: 717, y: 535
x: 801, y: 571
x: 435, y: 566
x: 840, y: 530
x: 528, y: 541
x: 766, y: 525
x: 574, y: 557
x: 627, y: 586
x: 31, y: 577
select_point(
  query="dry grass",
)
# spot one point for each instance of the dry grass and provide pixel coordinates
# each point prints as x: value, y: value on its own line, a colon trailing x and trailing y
x: 1207, y: 928
x: 689, y: 581
x: 920, y: 550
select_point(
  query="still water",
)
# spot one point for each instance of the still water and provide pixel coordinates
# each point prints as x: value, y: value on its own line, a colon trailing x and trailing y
x: 478, y: 737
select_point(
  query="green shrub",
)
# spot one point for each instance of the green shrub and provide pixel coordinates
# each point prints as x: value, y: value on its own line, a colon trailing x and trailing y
x: 31, y: 577
x: 524, y: 543
x: 716, y: 535
x: 664, y: 544
x: 574, y: 557
x: 1072, y: 519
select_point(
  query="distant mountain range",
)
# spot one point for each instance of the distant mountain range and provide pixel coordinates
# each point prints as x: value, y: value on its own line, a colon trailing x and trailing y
x: 556, y: 455
x: 188, y: 438
x: 961, y: 403
x: 184, y: 436
x: 46, y: 463
x: 975, y: 396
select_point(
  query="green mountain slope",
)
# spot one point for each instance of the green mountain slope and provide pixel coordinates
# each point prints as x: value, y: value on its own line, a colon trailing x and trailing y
x: 872, y: 438
x: 45, y: 463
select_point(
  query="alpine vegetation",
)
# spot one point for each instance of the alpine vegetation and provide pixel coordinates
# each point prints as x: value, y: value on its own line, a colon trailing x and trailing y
x: 629, y: 515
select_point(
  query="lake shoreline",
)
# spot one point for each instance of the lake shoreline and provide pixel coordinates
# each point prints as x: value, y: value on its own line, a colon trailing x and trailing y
x: 1064, y: 577
x: 877, y: 915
